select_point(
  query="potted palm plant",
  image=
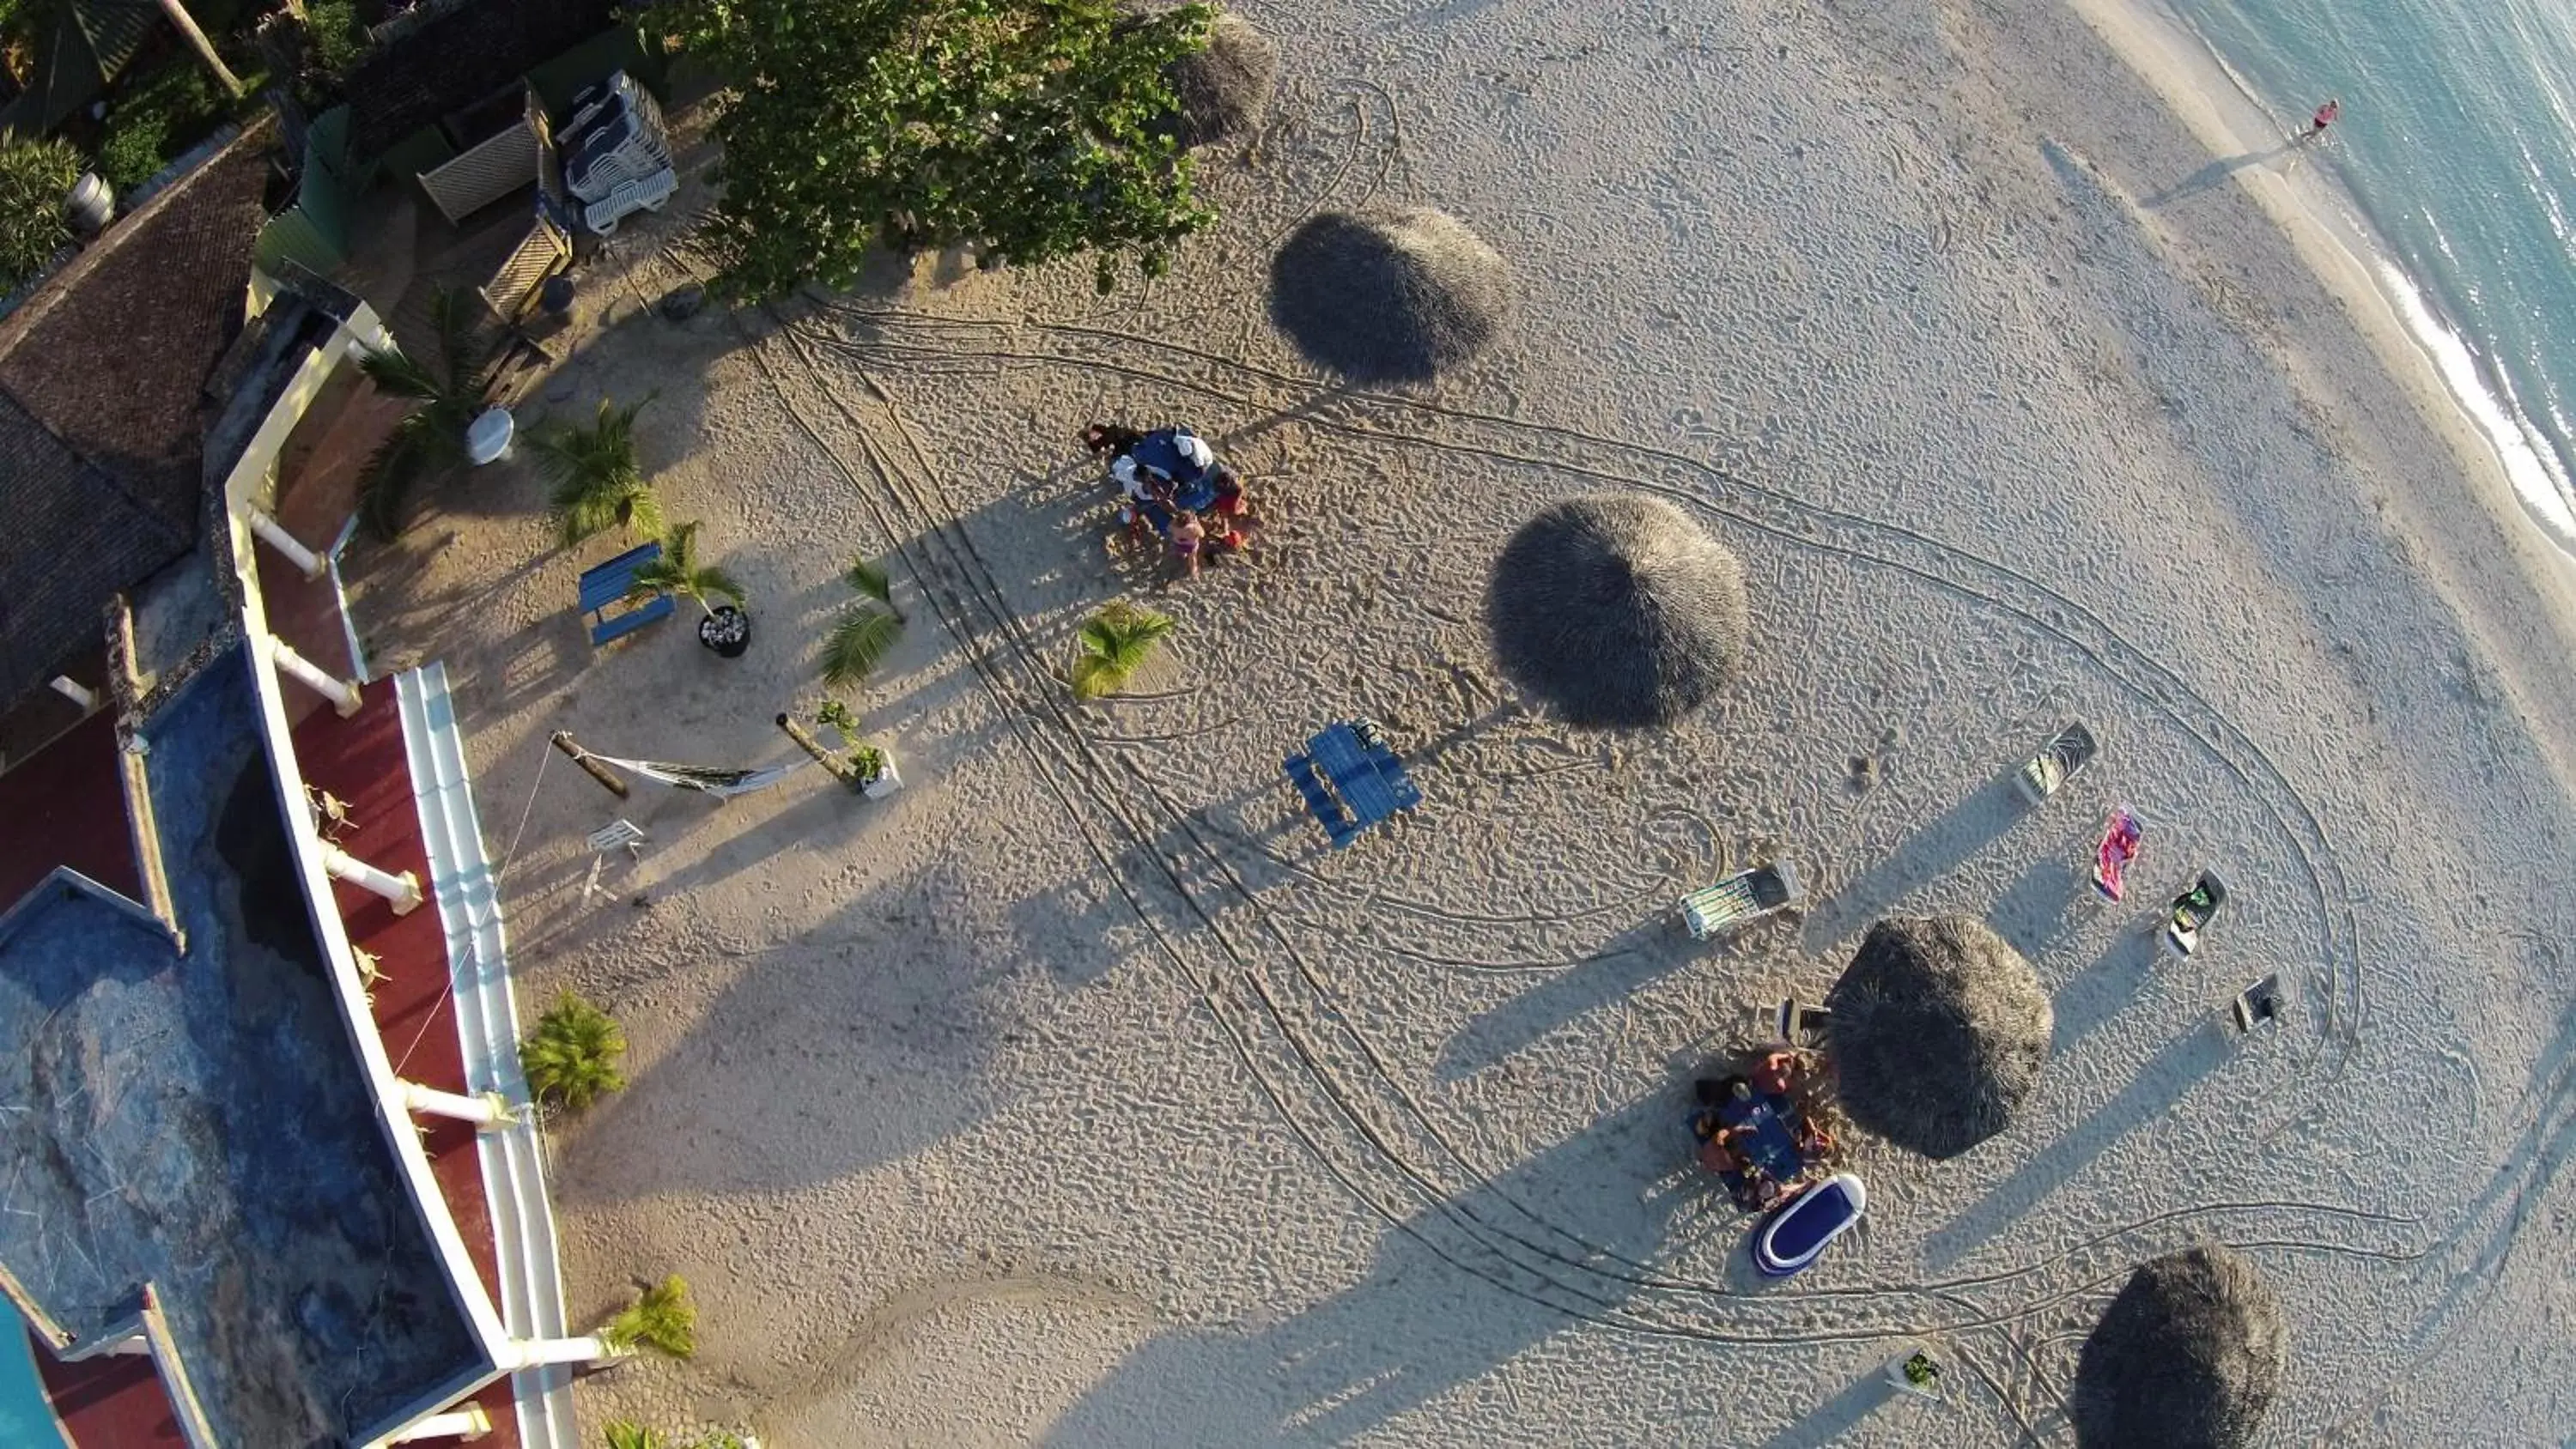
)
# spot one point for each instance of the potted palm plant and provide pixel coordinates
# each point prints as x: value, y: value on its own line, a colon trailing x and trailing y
x: 571, y: 1058
x: 851, y: 652
x: 450, y: 394
x: 726, y: 629
x: 596, y: 483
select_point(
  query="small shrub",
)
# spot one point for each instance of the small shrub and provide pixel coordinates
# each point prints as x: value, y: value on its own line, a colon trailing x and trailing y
x: 154, y: 120
x: 1113, y: 645
x: 35, y: 180
x: 624, y: 1434
x: 663, y: 1319
x: 571, y: 1058
x: 337, y: 41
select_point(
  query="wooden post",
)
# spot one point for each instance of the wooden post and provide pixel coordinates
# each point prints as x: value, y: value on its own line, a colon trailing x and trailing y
x: 607, y: 778
x: 840, y: 768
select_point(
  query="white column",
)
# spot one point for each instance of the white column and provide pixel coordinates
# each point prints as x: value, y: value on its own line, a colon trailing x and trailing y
x: 469, y: 1422
x: 284, y: 542
x: 536, y: 1352
x: 403, y: 890
x: 342, y: 694
x: 486, y: 1110
x: 71, y: 689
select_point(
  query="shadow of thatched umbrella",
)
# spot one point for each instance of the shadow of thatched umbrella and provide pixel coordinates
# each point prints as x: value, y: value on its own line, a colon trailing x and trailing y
x: 2188, y: 1356
x: 1389, y: 296
x: 1618, y: 610
x: 1938, y: 1033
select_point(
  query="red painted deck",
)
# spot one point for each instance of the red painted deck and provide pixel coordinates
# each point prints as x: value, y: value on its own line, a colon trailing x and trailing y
x: 361, y: 760
x: 65, y: 805
x: 110, y: 1402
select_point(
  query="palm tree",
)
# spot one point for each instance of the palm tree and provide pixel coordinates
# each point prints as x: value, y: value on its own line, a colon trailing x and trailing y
x: 1113, y: 645
x: 571, y: 1058
x: 867, y: 628
x: 678, y: 571
x: 432, y: 436
x: 663, y: 1318
x: 204, y: 48
x: 597, y: 483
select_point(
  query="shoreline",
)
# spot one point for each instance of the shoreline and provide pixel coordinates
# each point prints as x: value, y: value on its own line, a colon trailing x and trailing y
x: 2329, y: 233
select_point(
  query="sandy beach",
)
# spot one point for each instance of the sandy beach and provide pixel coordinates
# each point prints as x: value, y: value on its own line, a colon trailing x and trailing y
x: 1079, y: 1096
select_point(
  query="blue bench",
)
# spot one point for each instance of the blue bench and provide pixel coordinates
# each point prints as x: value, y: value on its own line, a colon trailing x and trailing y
x: 1350, y: 781
x: 1328, y: 812
x: 606, y: 587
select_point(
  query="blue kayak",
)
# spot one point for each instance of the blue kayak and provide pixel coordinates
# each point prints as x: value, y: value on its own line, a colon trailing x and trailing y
x: 1800, y: 1228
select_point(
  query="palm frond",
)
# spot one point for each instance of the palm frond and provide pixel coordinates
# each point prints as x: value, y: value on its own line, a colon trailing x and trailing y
x: 597, y: 484
x: 572, y: 1056
x: 1112, y: 645
x: 625, y: 1434
x: 385, y: 480
x: 397, y: 373
x: 869, y: 577
x: 454, y: 317
x: 663, y: 1318
x: 713, y: 582
x: 858, y: 644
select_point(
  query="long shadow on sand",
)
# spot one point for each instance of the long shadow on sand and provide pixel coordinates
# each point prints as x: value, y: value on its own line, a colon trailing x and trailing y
x: 2214, y: 175
x: 1417, y: 1326
x: 1829, y: 1421
x: 2184, y: 1061
x: 1618, y: 967
x: 1967, y: 827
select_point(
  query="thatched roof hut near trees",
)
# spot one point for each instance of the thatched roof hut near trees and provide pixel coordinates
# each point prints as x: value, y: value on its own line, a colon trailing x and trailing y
x: 1939, y: 1031
x: 1618, y: 610
x: 1389, y: 296
x: 1225, y: 88
x: 2188, y: 1356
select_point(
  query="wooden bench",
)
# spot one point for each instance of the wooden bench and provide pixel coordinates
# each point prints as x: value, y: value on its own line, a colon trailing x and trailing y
x: 606, y: 587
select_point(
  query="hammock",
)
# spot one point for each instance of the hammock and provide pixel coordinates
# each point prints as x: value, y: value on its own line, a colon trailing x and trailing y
x: 721, y: 783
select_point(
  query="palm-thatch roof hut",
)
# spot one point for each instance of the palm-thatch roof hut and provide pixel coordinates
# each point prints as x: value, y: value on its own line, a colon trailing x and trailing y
x: 1938, y: 1033
x: 2188, y: 1356
x: 1618, y: 610
x: 1224, y: 89
x: 1389, y: 296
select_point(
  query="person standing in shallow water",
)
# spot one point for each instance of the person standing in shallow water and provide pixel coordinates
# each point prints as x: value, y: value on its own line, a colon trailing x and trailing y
x: 2324, y: 117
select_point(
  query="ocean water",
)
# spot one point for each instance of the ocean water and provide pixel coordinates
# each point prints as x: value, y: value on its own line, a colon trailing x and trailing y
x: 2457, y: 145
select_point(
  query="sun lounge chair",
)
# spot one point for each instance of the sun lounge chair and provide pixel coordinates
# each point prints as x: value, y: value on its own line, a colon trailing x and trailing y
x: 2060, y: 760
x: 1799, y: 1232
x: 2258, y: 1003
x: 2193, y: 910
x: 1741, y: 898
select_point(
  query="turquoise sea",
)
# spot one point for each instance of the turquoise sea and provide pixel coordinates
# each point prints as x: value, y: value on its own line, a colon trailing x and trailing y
x: 25, y: 1420
x: 2457, y: 145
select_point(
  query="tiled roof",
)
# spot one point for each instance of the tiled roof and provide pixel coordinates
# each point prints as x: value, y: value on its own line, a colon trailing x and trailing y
x: 75, y: 537
x: 113, y: 353
x: 103, y: 407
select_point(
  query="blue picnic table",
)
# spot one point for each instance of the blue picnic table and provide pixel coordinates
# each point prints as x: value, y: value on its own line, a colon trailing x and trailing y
x: 609, y: 586
x: 1350, y: 779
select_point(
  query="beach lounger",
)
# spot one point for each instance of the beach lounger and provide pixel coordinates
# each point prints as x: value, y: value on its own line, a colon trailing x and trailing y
x: 1741, y: 898
x: 1800, y: 1231
x: 2193, y: 910
x: 2060, y: 760
x: 2258, y: 1003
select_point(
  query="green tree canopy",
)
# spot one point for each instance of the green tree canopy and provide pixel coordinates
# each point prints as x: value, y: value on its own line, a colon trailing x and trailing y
x: 1033, y: 129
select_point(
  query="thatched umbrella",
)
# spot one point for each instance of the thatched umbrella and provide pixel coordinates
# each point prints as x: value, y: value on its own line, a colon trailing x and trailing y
x: 2187, y: 1357
x: 1938, y: 1032
x: 1618, y: 610
x: 1390, y: 296
x: 1225, y: 89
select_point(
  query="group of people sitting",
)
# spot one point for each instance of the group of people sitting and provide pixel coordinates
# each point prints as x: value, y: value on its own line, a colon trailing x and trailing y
x: 1172, y: 488
x: 1753, y: 1134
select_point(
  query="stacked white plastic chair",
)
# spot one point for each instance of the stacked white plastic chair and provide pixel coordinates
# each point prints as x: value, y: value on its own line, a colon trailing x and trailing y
x: 617, y: 154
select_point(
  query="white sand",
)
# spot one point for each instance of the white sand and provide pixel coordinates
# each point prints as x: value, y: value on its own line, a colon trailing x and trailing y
x: 1078, y: 1096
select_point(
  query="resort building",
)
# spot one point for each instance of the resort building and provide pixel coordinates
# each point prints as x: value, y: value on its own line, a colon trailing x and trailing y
x: 271, y: 1176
